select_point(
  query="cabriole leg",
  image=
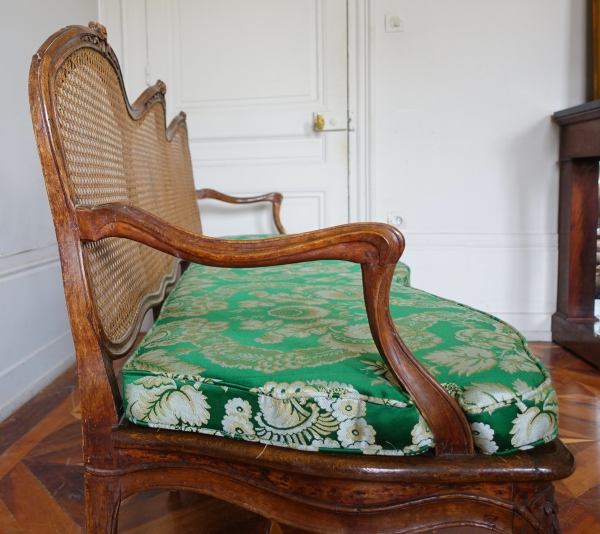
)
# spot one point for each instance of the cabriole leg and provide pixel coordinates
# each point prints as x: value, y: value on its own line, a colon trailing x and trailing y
x: 102, y: 502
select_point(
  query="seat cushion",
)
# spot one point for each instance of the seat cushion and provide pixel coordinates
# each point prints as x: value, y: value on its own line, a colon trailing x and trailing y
x: 284, y: 356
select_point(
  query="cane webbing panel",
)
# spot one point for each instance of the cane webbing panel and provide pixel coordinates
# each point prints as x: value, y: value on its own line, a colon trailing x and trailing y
x: 110, y: 157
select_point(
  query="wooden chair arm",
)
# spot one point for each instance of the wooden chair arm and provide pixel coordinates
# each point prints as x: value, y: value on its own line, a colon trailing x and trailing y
x: 376, y: 246
x: 274, y: 198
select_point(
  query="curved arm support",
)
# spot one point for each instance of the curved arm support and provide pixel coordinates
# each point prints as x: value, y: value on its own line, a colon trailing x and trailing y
x: 359, y: 243
x: 376, y: 246
x: 446, y: 420
x: 274, y: 198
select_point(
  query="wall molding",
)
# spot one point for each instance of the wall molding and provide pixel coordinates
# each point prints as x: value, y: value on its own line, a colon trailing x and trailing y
x: 25, y: 261
x: 28, y: 250
x: 425, y: 240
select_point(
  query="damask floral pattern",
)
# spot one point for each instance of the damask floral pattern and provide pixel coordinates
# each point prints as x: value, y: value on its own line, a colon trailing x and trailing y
x: 284, y: 356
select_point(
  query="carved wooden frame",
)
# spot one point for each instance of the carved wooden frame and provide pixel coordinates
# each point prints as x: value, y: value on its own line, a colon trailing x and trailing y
x: 274, y: 198
x: 322, y: 492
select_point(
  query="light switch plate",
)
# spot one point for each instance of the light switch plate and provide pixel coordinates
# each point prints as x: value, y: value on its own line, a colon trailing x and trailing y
x: 393, y: 23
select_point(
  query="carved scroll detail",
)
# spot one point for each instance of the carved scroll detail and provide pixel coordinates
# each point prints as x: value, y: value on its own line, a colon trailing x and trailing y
x: 99, y: 39
x: 162, y: 86
x: 545, y: 510
x: 156, y: 97
x: 99, y: 29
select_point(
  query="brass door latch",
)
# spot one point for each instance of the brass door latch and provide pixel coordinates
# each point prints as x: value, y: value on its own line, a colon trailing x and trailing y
x: 333, y: 120
x: 319, y: 122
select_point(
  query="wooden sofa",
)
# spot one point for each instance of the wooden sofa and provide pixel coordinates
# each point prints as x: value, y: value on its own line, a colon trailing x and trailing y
x: 126, y: 216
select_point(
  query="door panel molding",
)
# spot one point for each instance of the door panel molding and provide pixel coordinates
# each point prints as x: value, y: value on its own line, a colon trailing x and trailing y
x: 274, y: 151
x: 208, y: 66
x: 303, y: 211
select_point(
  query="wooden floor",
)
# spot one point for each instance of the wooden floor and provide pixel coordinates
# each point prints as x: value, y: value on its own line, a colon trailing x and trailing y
x: 41, y: 474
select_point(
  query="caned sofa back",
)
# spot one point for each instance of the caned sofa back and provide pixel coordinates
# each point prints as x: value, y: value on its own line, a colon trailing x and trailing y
x: 108, y: 150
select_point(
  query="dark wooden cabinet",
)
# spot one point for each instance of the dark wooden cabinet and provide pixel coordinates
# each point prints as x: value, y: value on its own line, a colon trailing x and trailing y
x: 579, y: 156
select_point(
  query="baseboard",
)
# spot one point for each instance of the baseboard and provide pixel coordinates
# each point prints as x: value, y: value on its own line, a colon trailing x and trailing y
x: 510, y: 276
x: 534, y: 326
x: 24, y: 379
x: 36, y: 340
x: 537, y: 336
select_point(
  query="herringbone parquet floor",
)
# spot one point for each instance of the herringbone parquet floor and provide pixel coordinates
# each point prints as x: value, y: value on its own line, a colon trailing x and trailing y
x: 41, y: 475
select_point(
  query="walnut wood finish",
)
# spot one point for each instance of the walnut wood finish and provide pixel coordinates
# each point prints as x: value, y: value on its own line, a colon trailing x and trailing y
x: 274, y: 198
x: 337, y: 493
x: 573, y: 322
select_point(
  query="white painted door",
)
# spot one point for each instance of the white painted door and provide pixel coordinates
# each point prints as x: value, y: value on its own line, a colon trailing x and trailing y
x: 251, y: 74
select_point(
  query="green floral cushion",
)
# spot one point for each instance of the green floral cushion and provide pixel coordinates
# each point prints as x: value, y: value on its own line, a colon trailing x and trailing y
x: 284, y: 356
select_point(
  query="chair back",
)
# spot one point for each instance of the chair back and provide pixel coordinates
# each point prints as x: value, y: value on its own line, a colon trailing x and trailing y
x: 97, y: 148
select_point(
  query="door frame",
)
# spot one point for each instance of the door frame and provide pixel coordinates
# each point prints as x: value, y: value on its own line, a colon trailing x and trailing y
x: 361, y: 102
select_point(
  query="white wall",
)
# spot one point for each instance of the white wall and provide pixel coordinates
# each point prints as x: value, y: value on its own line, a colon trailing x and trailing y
x: 464, y: 147
x: 36, y: 341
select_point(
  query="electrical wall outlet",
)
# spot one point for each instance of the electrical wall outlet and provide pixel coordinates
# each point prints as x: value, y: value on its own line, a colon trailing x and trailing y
x: 396, y: 220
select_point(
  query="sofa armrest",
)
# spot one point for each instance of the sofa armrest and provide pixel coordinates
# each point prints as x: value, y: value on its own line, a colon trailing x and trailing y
x: 376, y: 246
x: 274, y: 198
